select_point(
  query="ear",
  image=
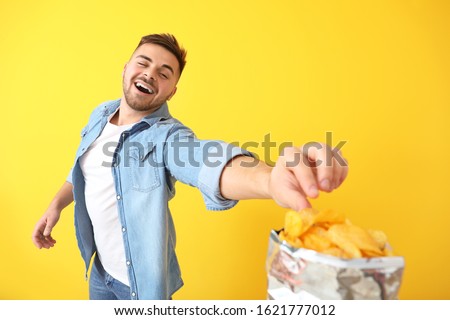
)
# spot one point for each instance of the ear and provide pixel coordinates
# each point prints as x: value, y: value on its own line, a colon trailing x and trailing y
x: 172, y: 94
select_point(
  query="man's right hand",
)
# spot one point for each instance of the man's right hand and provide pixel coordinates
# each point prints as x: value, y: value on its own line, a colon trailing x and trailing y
x: 42, y: 237
x: 42, y: 233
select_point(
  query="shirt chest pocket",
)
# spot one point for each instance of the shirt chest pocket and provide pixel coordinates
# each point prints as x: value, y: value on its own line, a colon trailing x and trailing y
x: 143, y: 169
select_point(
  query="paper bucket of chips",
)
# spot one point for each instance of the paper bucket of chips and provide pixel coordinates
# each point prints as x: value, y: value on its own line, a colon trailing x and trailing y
x: 317, y: 256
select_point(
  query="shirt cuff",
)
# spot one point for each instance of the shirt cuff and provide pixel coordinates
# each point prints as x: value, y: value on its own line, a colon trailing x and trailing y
x: 214, y: 162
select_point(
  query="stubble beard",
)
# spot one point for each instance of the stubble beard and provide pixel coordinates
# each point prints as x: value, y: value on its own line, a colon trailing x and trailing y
x: 138, y: 103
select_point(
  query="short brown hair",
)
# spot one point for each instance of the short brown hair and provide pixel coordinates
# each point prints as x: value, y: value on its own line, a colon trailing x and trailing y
x: 169, y: 42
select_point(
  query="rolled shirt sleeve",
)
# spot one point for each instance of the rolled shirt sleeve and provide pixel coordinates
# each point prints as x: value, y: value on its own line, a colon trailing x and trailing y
x: 200, y: 163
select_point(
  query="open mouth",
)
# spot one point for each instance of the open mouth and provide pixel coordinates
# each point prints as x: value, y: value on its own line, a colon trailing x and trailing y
x: 143, y: 88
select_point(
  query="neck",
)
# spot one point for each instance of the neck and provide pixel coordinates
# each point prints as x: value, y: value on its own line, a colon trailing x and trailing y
x: 126, y: 115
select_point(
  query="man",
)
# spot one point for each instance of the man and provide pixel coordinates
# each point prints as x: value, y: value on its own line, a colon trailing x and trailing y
x: 132, y: 152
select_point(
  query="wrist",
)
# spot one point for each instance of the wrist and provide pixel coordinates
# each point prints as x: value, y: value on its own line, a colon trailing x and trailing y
x: 55, y: 205
x: 266, y: 181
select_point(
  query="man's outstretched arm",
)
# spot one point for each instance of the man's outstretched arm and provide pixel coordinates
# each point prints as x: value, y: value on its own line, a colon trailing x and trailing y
x: 42, y: 231
x: 298, y: 174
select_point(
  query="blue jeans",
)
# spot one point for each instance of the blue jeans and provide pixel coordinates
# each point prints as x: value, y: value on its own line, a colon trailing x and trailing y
x: 104, y: 287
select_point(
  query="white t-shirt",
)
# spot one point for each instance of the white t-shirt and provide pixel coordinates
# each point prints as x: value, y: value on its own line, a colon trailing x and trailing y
x: 101, y: 201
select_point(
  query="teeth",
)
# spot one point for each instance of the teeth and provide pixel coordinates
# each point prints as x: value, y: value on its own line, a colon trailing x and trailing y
x: 146, y: 89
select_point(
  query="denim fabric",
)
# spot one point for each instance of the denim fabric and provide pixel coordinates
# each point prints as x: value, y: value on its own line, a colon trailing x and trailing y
x: 104, y: 287
x: 150, y: 157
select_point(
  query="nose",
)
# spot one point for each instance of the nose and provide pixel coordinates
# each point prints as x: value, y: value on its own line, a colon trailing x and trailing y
x: 149, y: 74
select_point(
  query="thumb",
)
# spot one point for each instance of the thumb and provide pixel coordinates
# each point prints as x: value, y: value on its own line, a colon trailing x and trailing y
x: 293, y: 199
x: 47, y: 231
x: 286, y: 190
x: 49, y: 227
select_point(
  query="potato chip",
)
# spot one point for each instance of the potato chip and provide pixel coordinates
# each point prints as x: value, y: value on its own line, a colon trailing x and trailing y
x: 308, y: 216
x: 293, y: 224
x: 341, y: 240
x: 379, y: 237
x: 356, y: 235
x: 337, y: 252
x: 282, y: 235
x: 315, y: 242
x: 371, y: 254
x: 295, y: 242
x: 329, y: 217
x: 330, y: 232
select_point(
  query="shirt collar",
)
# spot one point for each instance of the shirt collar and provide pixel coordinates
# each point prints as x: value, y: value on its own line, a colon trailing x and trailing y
x: 161, y: 113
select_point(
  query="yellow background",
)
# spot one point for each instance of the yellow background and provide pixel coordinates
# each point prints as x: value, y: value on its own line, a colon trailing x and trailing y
x: 375, y: 73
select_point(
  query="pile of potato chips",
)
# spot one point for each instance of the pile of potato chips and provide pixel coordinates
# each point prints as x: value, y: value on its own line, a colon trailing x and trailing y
x: 330, y: 232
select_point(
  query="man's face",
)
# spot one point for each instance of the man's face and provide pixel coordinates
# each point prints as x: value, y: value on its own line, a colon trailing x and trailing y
x: 150, y: 78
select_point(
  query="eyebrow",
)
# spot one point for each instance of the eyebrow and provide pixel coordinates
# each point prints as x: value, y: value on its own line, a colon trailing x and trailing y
x: 150, y: 60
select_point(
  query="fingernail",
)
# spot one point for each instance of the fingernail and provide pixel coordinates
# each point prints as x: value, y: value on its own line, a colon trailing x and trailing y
x: 325, y: 184
x: 313, y: 192
x: 334, y: 185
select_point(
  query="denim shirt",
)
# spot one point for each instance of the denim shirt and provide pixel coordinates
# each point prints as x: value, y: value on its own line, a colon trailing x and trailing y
x: 148, y: 160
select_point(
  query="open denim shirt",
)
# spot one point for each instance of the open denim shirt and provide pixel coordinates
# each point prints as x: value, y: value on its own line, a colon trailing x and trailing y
x: 149, y: 159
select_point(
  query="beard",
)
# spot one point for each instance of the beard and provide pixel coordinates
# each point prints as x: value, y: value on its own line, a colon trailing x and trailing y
x: 138, y: 102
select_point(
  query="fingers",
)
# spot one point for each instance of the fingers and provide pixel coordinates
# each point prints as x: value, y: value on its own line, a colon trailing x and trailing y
x: 41, y: 241
x: 331, y: 168
x: 301, y: 172
x: 47, y: 230
x: 295, y: 199
x: 318, y: 156
x: 41, y: 236
x: 295, y: 160
x: 286, y: 190
x: 37, y: 234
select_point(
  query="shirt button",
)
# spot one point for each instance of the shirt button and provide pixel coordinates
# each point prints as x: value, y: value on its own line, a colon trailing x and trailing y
x: 133, y: 294
x: 123, y: 229
x: 128, y: 262
x: 118, y: 197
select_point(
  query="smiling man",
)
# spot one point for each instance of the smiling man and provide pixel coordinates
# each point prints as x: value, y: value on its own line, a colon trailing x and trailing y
x: 149, y: 79
x: 121, y: 194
